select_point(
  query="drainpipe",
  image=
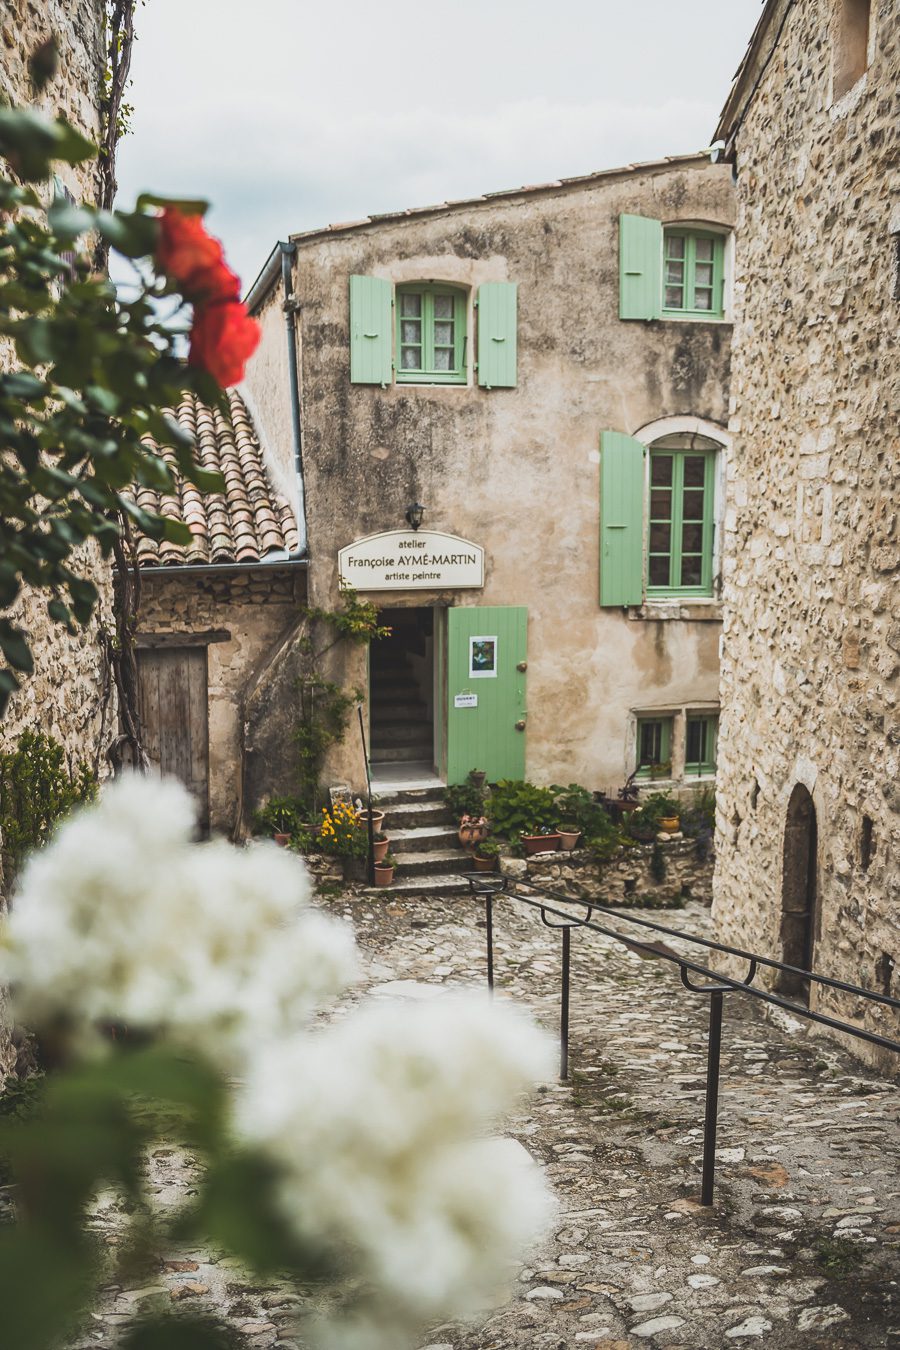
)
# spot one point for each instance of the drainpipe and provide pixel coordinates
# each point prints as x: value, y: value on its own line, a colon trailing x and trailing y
x: 290, y: 305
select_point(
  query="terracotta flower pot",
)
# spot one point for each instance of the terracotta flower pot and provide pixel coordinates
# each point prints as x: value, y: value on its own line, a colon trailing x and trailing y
x: 484, y: 864
x: 282, y: 840
x: 377, y: 818
x: 380, y: 848
x: 569, y: 838
x: 383, y: 875
x: 472, y: 831
x: 540, y: 843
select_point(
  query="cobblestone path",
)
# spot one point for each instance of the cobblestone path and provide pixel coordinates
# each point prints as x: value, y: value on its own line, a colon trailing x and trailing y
x: 802, y: 1248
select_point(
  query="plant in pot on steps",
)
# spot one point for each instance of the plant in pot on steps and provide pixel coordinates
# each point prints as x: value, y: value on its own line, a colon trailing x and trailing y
x: 384, y: 870
x: 342, y: 835
x: 486, y: 857
x: 380, y: 844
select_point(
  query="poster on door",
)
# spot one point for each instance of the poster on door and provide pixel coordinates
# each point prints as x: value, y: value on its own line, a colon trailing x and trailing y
x: 483, y: 658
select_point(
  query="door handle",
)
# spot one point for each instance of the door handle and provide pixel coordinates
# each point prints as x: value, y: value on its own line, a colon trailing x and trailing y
x: 520, y: 725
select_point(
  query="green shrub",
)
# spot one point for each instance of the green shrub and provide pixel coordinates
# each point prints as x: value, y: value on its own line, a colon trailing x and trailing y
x: 465, y: 799
x: 280, y: 815
x: 516, y: 807
x: 37, y: 790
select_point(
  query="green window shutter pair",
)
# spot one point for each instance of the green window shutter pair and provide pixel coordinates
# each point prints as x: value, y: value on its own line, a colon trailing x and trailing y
x: 371, y: 301
x: 683, y: 267
x: 621, y: 520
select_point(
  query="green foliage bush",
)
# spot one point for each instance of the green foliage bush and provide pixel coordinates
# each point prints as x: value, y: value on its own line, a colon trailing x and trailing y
x: 516, y: 807
x: 37, y: 790
x: 465, y: 799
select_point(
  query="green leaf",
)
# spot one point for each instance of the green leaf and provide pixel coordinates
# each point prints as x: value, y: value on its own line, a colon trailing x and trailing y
x: 191, y: 206
x: 71, y: 146
x: 15, y: 648
x: 59, y: 612
x: 8, y: 686
x: 133, y: 234
x: 168, y: 1332
x: 207, y: 480
x: 68, y: 221
x: 21, y: 384
x: 176, y: 531
x: 44, y: 1285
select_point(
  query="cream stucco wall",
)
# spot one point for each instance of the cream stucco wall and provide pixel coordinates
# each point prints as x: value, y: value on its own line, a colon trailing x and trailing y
x: 516, y: 470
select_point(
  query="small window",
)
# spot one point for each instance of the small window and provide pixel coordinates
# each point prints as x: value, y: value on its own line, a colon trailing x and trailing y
x: 851, y: 45
x: 680, y: 539
x: 701, y: 735
x: 654, y: 747
x: 431, y: 335
x: 693, y: 273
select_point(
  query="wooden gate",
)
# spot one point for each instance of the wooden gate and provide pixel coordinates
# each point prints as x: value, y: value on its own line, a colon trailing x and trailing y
x: 174, y: 715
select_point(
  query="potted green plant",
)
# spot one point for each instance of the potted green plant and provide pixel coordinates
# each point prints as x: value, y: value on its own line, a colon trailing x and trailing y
x: 384, y: 870
x: 278, y: 818
x: 380, y: 843
x: 486, y: 857
x: 540, y: 839
x: 342, y: 835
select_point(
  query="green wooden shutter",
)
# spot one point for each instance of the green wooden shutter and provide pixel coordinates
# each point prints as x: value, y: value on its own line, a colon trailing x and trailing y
x: 370, y: 330
x: 621, y: 519
x: 497, y: 334
x: 640, y: 268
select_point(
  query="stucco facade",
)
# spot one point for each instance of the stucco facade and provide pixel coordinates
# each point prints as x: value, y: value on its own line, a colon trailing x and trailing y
x: 68, y: 694
x: 515, y: 470
x: 811, y: 647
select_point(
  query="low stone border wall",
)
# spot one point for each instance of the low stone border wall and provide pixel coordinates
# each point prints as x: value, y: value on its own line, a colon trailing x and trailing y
x: 626, y: 879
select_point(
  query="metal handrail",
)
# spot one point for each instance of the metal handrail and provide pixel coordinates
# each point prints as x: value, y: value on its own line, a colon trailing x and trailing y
x: 489, y: 889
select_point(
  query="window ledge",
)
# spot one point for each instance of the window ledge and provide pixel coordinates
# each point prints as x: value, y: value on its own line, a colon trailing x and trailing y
x: 691, y: 610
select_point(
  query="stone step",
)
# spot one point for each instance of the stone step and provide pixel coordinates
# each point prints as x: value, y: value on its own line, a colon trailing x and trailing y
x: 427, y: 793
x: 414, y: 752
x: 384, y: 707
x: 431, y: 887
x: 439, y: 860
x: 402, y: 732
x: 422, y: 839
x: 411, y: 815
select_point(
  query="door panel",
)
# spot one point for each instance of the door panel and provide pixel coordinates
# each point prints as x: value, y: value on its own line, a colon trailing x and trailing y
x: 484, y: 648
x: 174, y: 717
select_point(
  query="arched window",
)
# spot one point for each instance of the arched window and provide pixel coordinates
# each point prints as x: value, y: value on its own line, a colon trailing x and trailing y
x: 798, y: 892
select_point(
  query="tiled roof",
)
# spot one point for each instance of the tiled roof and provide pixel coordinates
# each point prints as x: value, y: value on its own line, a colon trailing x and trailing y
x: 247, y: 523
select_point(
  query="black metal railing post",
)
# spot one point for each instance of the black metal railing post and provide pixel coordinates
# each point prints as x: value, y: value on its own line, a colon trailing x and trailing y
x: 564, y: 1006
x: 489, y: 924
x: 370, y: 857
x: 710, y: 1122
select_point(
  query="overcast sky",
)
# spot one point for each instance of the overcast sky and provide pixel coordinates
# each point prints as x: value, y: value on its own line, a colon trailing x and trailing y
x: 289, y: 114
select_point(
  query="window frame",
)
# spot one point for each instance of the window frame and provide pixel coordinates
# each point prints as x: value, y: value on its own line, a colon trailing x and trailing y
x: 675, y: 521
x: 425, y: 374
x: 689, y: 284
x: 706, y: 767
x: 645, y: 772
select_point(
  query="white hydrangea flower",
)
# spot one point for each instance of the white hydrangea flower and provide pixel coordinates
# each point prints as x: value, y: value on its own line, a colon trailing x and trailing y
x: 377, y: 1121
x: 125, y: 919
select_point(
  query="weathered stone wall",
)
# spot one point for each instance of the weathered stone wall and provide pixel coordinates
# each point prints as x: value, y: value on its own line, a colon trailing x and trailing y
x: 251, y: 677
x: 65, y: 695
x: 811, y: 651
x: 626, y: 878
x: 516, y: 470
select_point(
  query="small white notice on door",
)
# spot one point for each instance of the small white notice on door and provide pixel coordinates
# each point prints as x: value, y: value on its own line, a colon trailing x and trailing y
x: 465, y: 700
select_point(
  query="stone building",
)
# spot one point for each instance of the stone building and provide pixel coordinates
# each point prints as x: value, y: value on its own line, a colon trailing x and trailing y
x: 510, y: 413
x: 66, y: 694
x: 809, y: 802
x: 218, y: 625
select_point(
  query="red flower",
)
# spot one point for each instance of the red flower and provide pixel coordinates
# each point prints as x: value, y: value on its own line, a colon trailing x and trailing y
x: 222, y: 339
x: 194, y: 259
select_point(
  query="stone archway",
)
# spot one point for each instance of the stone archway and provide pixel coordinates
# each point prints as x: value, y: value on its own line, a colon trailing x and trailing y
x: 798, y: 892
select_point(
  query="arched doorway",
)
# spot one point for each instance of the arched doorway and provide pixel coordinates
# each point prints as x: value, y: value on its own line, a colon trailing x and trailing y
x: 798, y: 892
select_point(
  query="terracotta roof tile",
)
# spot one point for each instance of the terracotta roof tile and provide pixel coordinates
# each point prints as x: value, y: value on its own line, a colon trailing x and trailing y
x: 246, y: 523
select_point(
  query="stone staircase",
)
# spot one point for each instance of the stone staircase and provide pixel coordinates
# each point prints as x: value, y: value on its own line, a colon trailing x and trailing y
x: 424, y: 841
x: 402, y: 732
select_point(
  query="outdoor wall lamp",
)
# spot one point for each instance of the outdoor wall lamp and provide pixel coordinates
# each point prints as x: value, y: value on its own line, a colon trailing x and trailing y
x: 414, y: 513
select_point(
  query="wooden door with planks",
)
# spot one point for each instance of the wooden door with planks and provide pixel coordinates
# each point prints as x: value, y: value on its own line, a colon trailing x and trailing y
x: 174, y: 716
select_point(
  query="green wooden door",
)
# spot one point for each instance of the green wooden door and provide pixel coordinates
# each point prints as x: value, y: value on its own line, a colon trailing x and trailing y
x: 486, y: 691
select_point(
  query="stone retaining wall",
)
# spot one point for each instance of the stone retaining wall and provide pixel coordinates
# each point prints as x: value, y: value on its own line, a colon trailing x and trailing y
x: 626, y: 879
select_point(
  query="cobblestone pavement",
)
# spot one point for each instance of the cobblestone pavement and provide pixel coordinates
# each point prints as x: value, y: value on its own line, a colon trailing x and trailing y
x: 802, y: 1248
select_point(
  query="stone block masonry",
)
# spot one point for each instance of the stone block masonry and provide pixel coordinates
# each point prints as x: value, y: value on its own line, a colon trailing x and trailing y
x: 811, y: 644
x: 625, y: 879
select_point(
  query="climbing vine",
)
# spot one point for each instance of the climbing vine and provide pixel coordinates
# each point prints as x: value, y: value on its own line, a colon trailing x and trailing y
x: 37, y: 790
